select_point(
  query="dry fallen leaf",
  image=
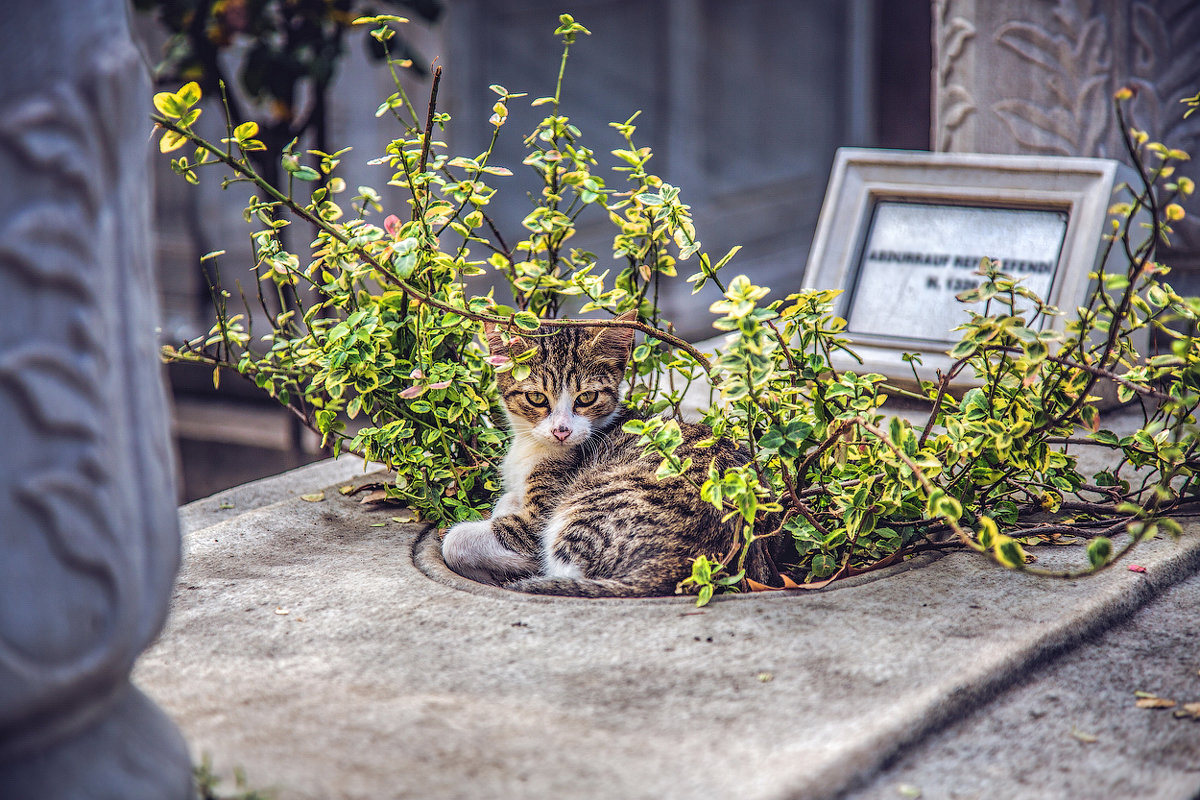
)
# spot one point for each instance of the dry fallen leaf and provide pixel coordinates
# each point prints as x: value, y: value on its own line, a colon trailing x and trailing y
x: 765, y: 677
x: 281, y: 611
x: 377, y: 496
x: 1086, y: 738
x: 755, y: 586
x: 762, y: 587
x: 350, y: 489
x: 1192, y: 709
x: 1155, y: 702
x: 315, y: 497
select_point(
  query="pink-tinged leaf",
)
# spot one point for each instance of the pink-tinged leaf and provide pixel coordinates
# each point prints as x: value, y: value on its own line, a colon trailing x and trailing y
x: 439, y: 385
x: 1136, y: 568
x: 497, y: 361
x: 412, y: 391
x: 392, y: 225
x: 416, y: 374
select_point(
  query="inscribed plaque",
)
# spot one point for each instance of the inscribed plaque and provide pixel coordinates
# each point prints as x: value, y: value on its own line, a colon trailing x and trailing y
x: 918, y: 256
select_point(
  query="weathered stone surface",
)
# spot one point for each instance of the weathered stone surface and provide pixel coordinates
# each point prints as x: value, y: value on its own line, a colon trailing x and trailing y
x: 87, y: 522
x: 1073, y: 726
x: 232, y: 502
x: 333, y: 656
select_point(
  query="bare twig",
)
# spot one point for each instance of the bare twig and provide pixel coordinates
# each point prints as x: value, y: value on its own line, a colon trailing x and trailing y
x: 428, y: 141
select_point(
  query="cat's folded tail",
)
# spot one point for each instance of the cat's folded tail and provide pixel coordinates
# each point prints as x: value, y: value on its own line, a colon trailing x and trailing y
x: 581, y: 587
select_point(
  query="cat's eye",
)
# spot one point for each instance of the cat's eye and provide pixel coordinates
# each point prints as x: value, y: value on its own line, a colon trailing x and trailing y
x: 585, y: 399
x: 536, y: 399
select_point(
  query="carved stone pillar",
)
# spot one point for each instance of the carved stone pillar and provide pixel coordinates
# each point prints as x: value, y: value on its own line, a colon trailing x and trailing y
x: 89, y: 543
x: 1037, y: 76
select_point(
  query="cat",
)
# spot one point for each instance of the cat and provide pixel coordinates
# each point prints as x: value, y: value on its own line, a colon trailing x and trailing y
x: 582, y: 512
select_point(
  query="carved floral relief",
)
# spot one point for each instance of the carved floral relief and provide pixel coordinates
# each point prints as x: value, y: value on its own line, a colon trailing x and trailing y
x: 1072, y: 59
x: 87, y: 524
x: 1041, y: 76
x: 955, y: 105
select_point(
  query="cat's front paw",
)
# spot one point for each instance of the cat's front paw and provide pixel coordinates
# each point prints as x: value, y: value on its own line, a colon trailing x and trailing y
x: 471, y: 550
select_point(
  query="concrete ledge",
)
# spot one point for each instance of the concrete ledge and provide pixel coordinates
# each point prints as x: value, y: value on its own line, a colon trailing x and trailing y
x: 256, y: 494
x: 1070, y: 728
x: 323, y: 648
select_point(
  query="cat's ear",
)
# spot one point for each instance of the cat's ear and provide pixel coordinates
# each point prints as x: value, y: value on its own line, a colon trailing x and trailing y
x: 498, y: 346
x: 616, y: 343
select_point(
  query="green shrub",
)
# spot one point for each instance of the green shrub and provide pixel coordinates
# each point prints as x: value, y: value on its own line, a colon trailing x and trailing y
x: 383, y: 326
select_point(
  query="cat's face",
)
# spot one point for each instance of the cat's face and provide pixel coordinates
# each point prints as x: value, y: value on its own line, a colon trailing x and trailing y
x: 574, y: 383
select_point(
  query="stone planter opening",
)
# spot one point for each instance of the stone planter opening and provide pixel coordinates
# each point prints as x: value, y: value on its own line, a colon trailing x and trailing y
x: 427, y: 556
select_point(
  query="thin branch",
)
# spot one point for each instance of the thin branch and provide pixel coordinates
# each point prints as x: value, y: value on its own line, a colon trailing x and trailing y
x: 425, y: 145
x: 943, y: 387
x: 839, y: 430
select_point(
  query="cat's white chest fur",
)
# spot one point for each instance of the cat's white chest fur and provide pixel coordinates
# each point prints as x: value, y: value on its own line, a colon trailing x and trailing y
x: 523, y: 455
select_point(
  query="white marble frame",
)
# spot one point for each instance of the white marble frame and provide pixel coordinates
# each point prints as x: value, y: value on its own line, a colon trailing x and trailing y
x: 1082, y: 187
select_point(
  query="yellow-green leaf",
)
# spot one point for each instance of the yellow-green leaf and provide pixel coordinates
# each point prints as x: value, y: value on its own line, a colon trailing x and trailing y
x: 189, y: 119
x: 171, y: 141
x: 1009, y: 552
x: 1099, y: 551
x: 245, y: 131
x: 189, y: 95
x: 988, y: 531
x: 167, y: 104
x: 526, y: 321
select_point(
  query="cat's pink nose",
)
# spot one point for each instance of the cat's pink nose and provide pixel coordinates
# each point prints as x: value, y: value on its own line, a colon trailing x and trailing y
x: 561, y: 433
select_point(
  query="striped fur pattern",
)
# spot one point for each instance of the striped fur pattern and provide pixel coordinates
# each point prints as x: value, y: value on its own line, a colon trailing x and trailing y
x: 583, y: 512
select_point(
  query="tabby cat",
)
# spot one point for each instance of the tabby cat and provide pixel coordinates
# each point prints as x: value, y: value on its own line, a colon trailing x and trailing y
x: 582, y: 511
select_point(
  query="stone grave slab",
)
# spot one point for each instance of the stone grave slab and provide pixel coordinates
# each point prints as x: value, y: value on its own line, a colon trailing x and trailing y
x: 324, y: 648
